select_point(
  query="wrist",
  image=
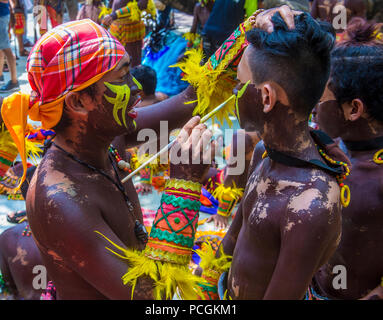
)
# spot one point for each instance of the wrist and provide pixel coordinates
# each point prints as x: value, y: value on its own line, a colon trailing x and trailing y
x: 183, y: 188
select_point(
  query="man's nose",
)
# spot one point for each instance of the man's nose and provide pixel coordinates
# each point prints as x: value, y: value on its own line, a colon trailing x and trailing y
x: 135, y: 86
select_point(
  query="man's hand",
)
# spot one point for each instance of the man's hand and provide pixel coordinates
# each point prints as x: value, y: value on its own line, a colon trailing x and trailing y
x: 107, y: 21
x: 192, y: 154
x: 143, y: 188
x: 220, y: 222
x: 263, y: 20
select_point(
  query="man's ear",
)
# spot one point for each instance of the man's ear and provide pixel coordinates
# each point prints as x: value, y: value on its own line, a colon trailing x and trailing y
x: 354, y: 110
x: 269, y: 96
x: 74, y: 102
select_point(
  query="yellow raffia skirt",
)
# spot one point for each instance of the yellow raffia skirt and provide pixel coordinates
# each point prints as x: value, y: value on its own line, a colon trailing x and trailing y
x: 127, y: 31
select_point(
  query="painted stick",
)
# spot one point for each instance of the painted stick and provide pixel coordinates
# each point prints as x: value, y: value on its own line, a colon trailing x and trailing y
x: 167, y: 147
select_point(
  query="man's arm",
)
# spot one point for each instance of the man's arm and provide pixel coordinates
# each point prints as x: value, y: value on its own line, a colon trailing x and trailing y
x: 307, y: 239
x: 174, y: 111
x: 230, y: 239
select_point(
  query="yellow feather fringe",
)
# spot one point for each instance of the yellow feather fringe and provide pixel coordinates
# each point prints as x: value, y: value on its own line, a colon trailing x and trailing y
x: 232, y: 192
x: 189, y: 36
x: 104, y: 11
x: 168, y: 278
x: 209, y: 260
x: 212, y: 86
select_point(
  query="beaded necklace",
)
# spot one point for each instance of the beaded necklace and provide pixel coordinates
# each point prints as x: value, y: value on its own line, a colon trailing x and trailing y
x: 341, y: 172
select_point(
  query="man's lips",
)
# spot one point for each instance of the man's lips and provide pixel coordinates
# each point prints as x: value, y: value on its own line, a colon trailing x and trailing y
x: 133, y: 113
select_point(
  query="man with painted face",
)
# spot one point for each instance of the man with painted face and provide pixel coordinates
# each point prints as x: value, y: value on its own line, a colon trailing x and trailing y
x: 288, y: 223
x: 351, y: 108
x: 76, y: 189
x: 82, y: 88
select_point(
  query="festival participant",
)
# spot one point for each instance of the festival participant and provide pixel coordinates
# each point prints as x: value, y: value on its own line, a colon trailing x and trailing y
x: 91, y: 9
x: 19, y: 22
x: 351, y: 108
x: 324, y: 10
x: 289, y: 221
x: 51, y: 8
x: 127, y: 26
x: 5, y: 50
x: 147, y: 77
x: 201, y: 13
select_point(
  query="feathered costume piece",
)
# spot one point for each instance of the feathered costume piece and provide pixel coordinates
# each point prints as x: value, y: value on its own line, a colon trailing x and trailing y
x: 212, y: 267
x: 215, y: 80
x: 169, y: 249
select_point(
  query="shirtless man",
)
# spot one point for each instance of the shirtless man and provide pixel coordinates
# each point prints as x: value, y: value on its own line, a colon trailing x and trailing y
x: 200, y: 15
x: 351, y: 108
x: 289, y: 222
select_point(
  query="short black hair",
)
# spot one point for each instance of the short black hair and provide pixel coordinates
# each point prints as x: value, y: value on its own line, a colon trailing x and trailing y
x: 357, y: 68
x: 298, y: 59
x: 147, y: 77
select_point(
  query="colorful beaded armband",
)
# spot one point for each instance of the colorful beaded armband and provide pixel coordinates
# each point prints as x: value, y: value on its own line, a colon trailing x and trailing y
x: 172, y: 235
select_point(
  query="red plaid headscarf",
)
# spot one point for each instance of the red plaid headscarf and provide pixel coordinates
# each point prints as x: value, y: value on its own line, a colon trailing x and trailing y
x: 68, y: 58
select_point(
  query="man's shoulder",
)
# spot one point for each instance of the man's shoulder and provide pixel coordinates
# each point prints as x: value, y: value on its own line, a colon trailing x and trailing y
x: 316, y: 201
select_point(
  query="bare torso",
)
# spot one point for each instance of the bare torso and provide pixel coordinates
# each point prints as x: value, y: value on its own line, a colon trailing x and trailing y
x: 60, y: 180
x: 360, y: 249
x: 276, y: 211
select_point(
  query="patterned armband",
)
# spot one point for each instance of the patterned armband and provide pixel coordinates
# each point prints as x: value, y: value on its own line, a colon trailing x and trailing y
x: 228, y: 197
x: 215, y: 81
x: 130, y: 11
x: 169, y: 248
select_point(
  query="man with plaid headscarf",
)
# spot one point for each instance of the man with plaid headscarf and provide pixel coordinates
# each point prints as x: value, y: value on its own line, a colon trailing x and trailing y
x: 75, y: 70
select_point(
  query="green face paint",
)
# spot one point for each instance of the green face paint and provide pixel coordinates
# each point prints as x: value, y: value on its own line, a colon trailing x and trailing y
x: 239, y: 95
x: 120, y: 102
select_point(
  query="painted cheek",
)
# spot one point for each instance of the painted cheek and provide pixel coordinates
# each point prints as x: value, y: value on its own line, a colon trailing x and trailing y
x: 119, y: 102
